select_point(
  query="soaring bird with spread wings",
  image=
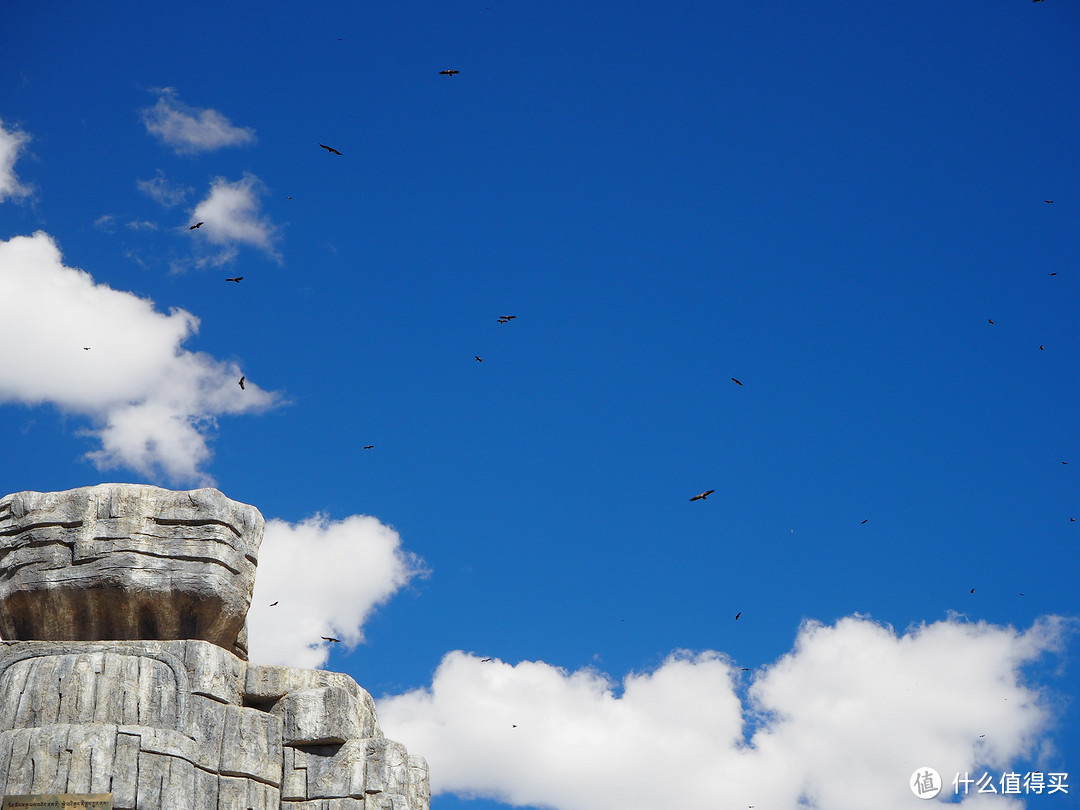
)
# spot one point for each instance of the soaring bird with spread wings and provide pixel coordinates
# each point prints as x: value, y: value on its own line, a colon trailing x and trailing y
x: 330, y: 149
x: 703, y: 495
x: 449, y: 72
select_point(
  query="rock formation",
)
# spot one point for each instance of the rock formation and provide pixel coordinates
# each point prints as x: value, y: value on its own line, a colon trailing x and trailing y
x: 124, y: 666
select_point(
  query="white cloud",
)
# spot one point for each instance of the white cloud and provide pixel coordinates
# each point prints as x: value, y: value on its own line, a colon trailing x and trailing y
x: 327, y: 577
x: 840, y: 723
x: 230, y: 215
x: 161, y: 190
x: 11, y: 144
x: 190, y: 129
x: 150, y: 402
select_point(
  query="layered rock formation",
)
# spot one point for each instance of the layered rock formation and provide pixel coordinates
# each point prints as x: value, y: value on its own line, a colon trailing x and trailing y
x: 124, y: 667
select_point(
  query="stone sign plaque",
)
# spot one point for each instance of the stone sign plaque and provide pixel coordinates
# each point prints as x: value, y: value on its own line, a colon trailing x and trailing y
x: 60, y: 801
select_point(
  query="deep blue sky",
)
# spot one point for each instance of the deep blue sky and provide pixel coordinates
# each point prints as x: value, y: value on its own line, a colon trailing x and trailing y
x: 827, y: 201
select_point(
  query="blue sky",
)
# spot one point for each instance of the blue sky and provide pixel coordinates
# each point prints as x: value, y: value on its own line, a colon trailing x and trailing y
x: 841, y: 206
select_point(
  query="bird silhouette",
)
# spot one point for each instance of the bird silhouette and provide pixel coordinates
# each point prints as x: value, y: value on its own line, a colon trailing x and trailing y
x: 484, y: 660
x: 238, y: 279
x: 273, y: 603
x: 330, y: 149
x: 241, y: 383
x: 86, y: 348
x: 703, y: 495
x: 331, y: 639
x: 989, y: 321
x: 735, y: 381
x: 196, y: 225
x: 506, y: 318
x: 737, y: 615
x: 368, y: 446
x: 746, y: 669
x: 972, y: 591
x: 1042, y: 347
x: 1051, y: 274
x: 864, y: 521
x: 478, y: 358
x: 449, y: 72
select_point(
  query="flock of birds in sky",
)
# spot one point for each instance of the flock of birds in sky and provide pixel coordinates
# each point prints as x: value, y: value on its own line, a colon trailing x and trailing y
x: 503, y: 319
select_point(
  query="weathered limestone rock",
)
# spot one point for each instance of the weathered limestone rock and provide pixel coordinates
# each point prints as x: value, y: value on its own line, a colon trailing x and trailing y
x: 128, y: 704
x: 127, y: 561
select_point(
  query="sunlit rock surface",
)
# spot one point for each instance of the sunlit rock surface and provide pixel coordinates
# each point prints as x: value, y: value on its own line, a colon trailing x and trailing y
x: 124, y: 667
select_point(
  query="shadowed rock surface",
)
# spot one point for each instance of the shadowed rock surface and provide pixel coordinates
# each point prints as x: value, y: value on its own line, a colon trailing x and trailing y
x: 124, y: 667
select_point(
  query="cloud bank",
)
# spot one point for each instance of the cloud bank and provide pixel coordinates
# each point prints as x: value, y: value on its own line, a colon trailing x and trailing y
x: 189, y: 129
x: 111, y: 357
x: 11, y: 143
x: 326, y: 578
x: 841, y: 722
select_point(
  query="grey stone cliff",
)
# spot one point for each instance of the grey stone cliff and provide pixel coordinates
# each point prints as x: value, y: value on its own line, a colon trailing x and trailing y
x: 124, y: 667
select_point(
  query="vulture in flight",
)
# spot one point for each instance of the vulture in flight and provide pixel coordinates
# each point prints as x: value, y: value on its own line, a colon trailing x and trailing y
x: 737, y: 615
x: 864, y: 521
x: 506, y: 318
x: 368, y: 446
x: 484, y: 660
x: 196, y: 225
x: 241, y: 383
x: 331, y: 639
x: 988, y: 320
x: 735, y: 381
x: 703, y: 495
x: 449, y: 72
x: 274, y: 603
x: 330, y: 149
x: 238, y: 279
x: 479, y: 359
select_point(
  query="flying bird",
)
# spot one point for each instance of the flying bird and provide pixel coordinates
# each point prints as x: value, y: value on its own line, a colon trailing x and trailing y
x: 703, y: 495
x: 238, y: 279
x: 330, y: 149
x: 86, y: 348
x: 274, y: 603
x: 478, y: 358
x: 484, y: 660
x: 331, y: 639
x: 368, y: 446
x: 449, y: 72
x: 735, y: 381
x: 506, y: 318
x: 864, y: 521
x: 746, y: 669
x: 241, y: 383
x: 1042, y: 347
x: 972, y: 590
x: 989, y: 321
x: 1051, y: 274
x: 196, y: 225
x: 737, y: 615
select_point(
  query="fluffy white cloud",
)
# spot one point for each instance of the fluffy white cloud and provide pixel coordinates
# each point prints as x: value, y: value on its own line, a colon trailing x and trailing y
x: 327, y: 577
x: 231, y: 216
x: 190, y: 129
x: 11, y: 144
x: 841, y: 722
x: 112, y: 357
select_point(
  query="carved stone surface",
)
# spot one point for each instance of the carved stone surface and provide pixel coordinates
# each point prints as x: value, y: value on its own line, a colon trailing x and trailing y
x: 166, y: 722
x: 127, y: 561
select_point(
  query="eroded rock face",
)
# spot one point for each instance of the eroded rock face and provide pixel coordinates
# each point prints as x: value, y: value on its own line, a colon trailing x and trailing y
x: 127, y: 562
x: 128, y: 677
